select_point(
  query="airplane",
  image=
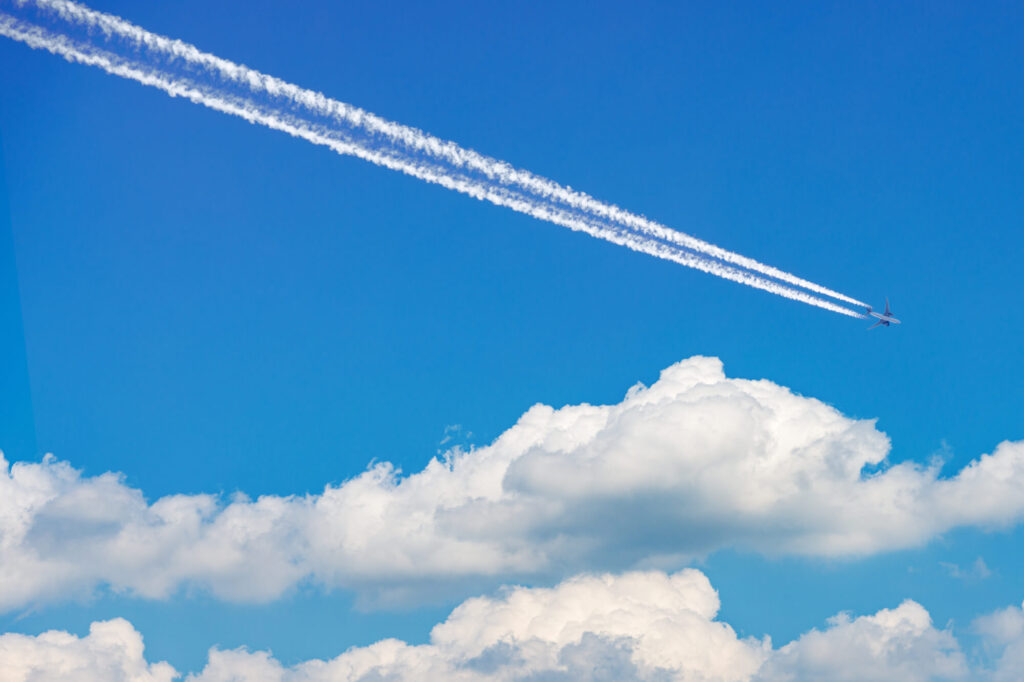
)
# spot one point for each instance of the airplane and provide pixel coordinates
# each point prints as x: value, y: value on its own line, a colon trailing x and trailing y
x: 885, y: 318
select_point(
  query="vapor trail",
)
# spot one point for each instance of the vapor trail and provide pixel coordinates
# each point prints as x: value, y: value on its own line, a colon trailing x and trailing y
x: 174, y: 67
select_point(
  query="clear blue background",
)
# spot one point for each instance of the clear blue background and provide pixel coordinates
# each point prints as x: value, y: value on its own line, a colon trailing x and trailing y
x: 210, y: 306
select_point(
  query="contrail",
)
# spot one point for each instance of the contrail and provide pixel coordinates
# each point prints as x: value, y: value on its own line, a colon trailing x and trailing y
x: 176, y: 67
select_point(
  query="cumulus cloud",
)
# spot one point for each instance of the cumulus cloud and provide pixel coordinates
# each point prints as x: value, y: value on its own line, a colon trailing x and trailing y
x: 111, y: 652
x: 637, y: 626
x: 1002, y: 634
x: 898, y: 645
x: 696, y: 462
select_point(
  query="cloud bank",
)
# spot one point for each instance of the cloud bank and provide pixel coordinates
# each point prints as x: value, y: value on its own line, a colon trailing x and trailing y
x: 694, y: 463
x: 638, y: 626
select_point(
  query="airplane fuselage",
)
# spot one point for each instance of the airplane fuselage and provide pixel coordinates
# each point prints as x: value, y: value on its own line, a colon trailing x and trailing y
x: 886, y: 319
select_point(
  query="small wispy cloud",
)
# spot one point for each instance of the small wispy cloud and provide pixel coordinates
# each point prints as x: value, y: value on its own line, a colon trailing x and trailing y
x: 978, y: 570
x: 454, y: 436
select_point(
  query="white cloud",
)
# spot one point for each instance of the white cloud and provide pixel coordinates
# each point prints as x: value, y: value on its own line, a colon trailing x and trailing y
x: 111, y: 652
x: 898, y: 644
x: 637, y: 626
x: 694, y: 463
x: 1002, y: 634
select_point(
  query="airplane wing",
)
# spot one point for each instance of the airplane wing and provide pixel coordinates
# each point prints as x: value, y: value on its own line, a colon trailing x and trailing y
x: 887, y: 311
x: 879, y: 324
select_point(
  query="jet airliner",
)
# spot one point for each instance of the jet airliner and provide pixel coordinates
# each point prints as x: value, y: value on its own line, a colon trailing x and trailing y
x: 885, y: 318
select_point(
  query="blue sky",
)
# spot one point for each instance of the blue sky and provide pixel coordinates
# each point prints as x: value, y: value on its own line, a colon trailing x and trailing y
x: 210, y: 306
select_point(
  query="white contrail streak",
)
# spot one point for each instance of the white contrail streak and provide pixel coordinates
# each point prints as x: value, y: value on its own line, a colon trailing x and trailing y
x: 412, y: 138
x: 295, y: 110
